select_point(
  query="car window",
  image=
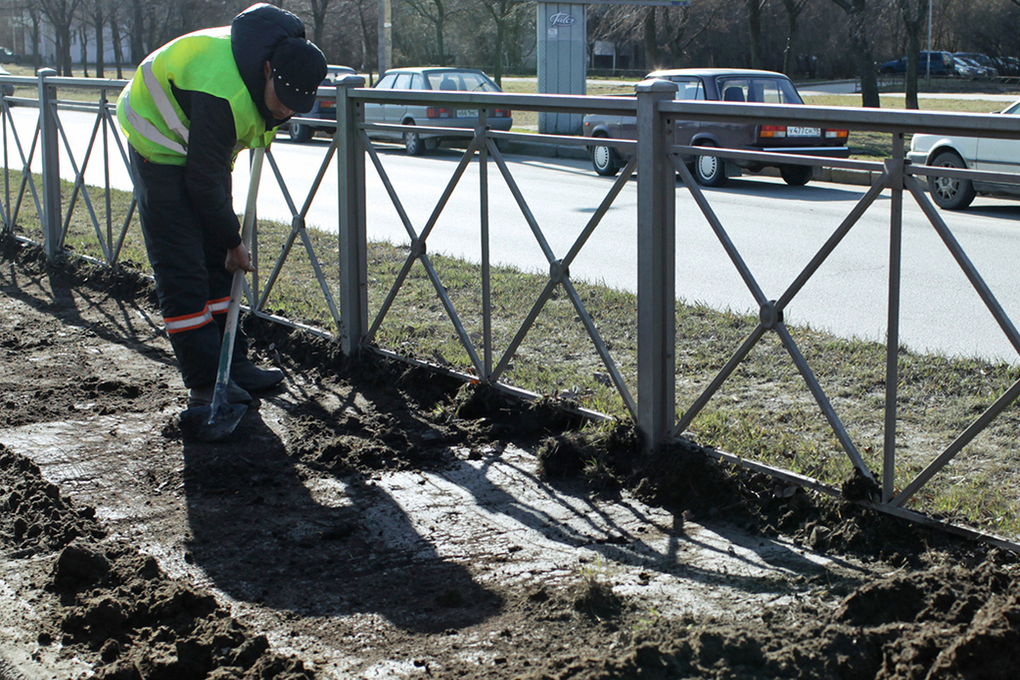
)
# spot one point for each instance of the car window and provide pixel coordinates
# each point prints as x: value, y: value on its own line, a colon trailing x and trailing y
x: 387, y: 81
x: 689, y: 89
x: 759, y: 90
x: 465, y: 82
x: 417, y: 82
x: 403, y: 82
x: 1013, y: 110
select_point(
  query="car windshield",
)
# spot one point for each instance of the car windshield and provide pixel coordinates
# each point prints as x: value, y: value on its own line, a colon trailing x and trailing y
x: 461, y: 81
x: 759, y: 90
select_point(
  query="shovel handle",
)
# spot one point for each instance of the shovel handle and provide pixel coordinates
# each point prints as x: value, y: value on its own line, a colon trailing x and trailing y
x: 236, y: 288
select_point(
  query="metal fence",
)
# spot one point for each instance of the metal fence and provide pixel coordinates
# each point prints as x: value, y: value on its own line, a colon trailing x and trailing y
x: 657, y: 161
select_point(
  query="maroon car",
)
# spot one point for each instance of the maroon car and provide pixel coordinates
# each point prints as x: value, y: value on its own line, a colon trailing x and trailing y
x: 729, y: 85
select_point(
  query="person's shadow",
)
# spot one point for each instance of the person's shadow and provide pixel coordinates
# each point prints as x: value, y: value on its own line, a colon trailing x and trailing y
x: 261, y: 537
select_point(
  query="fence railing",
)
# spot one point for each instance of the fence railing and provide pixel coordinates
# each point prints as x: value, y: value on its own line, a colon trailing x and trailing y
x: 658, y: 160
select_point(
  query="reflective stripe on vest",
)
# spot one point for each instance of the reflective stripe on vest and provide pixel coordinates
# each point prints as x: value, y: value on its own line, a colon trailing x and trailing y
x: 202, y: 61
x: 178, y: 324
x: 148, y: 130
x: 162, y: 102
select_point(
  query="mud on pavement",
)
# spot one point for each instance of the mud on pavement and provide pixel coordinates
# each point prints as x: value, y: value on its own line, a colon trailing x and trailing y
x: 373, y: 520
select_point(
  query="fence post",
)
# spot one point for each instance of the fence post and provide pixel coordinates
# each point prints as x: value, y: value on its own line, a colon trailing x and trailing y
x: 656, y: 257
x: 351, y: 229
x: 50, y: 157
x: 894, y: 170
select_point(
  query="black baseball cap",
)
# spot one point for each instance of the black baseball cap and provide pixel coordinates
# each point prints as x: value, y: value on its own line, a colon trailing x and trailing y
x: 298, y: 69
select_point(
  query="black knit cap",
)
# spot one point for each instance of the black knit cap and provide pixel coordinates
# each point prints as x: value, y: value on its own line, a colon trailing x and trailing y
x: 298, y: 69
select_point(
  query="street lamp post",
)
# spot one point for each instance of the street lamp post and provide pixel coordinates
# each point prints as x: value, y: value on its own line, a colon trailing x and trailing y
x: 930, y: 2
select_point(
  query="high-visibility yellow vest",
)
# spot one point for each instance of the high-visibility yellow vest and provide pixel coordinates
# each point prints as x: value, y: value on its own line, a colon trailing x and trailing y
x: 201, y: 61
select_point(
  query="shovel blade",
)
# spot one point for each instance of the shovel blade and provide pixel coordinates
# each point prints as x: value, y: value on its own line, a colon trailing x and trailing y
x: 205, y: 424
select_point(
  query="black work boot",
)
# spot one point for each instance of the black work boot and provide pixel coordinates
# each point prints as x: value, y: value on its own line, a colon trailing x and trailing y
x: 251, y: 377
x: 203, y: 395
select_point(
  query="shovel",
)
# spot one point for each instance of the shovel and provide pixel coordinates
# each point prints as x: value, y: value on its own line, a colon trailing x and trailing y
x: 216, y: 422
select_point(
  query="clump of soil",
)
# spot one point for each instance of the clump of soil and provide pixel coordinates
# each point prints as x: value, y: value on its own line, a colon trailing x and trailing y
x: 117, y: 602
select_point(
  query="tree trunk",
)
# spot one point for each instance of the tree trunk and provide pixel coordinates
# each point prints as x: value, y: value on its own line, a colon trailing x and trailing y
x: 861, y: 45
x: 137, y: 31
x: 83, y: 35
x: 649, y: 40
x: 912, y: 23
x: 793, y: 10
x: 439, y: 38
x: 100, y: 46
x: 754, y: 31
x: 118, y: 56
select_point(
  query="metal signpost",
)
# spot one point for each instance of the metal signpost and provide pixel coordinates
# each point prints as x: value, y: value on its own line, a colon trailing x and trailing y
x: 563, y: 54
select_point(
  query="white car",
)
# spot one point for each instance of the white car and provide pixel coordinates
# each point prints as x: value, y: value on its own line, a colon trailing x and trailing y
x: 970, y: 153
x: 434, y: 79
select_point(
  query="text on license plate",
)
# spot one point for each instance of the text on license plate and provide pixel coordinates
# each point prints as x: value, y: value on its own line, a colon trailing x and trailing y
x: 467, y: 113
x: 803, y: 132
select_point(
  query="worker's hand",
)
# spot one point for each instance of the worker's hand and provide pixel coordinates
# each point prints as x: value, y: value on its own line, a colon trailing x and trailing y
x: 238, y: 258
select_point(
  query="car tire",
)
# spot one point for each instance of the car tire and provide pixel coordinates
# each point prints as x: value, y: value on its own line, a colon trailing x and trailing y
x: 299, y: 132
x: 414, y: 145
x: 950, y: 193
x: 710, y: 171
x: 605, y: 160
x: 796, y: 175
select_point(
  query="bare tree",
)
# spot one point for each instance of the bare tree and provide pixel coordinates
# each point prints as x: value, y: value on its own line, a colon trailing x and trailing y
x: 793, y: 12
x: 118, y: 52
x: 914, y: 13
x: 61, y: 15
x: 503, y: 13
x: 754, y: 8
x: 858, y: 20
x: 83, y: 38
x: 99, y: 23
x: 435, y: 12
x: 319, y: 8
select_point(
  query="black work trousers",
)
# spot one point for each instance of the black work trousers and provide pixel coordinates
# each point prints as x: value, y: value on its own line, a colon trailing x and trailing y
x: 188, y: 269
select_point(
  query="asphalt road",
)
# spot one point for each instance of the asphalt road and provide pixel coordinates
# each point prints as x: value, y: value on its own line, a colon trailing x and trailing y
x: 776, y: 228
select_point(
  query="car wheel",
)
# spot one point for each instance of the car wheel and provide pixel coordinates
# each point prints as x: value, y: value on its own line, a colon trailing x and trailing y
x: 605, y: 160
x: 413, y: 143
x: 950, y: 193
x: 710, y: 171
x: 299, y: 132
x: 796, y: 175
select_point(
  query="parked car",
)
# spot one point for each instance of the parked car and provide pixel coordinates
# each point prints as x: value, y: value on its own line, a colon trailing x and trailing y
x: 9, y: 57
x: 730, y: 85
x: 970, y: 153
x: 981, y: 60
x: 8, y: 88
x: 968, y: 68
x: 941, y: 64
x: 431, y: 78
x: 1007, y: 66
x: 300, y: 131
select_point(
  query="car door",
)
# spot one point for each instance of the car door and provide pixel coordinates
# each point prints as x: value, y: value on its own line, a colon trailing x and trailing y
x: 376, y: 113
x: 689, y: 88
x: 1000, y: 155
x: 395, y: 112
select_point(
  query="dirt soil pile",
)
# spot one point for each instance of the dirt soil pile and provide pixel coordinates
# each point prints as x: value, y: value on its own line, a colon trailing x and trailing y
x: 375, y: 520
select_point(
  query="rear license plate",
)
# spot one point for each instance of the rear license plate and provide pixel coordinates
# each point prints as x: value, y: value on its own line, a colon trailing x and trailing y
x: 467, y: 113
x: 803, y: 132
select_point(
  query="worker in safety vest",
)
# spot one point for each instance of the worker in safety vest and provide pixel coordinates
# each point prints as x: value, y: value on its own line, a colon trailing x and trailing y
x: 191, y: 107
